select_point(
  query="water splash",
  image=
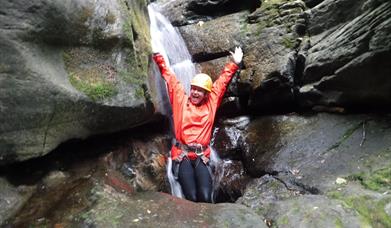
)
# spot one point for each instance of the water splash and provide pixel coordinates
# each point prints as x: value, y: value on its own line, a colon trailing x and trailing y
x: 176, y: 189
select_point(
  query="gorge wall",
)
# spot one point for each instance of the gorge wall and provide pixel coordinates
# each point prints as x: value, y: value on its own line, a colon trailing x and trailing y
x: 70, y: 70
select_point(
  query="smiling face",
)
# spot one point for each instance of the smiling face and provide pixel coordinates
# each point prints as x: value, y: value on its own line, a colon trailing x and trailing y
x: 197, y: 95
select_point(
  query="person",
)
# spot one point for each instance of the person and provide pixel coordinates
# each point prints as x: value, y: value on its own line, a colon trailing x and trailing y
x: 193, y: 118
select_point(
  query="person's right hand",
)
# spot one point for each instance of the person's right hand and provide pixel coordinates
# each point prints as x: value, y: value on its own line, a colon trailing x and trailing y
x: 159, y: 60
x: 238, y: 55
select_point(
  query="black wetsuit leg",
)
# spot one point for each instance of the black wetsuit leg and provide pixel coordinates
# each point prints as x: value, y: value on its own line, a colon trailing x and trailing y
x: 187, y: 180
x: 195, y: 180
x: 204, y: 182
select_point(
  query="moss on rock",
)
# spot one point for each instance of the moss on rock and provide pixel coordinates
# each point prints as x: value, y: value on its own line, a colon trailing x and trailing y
x: 372, y: 212
x: 90, y: 73
x: 379, y: 180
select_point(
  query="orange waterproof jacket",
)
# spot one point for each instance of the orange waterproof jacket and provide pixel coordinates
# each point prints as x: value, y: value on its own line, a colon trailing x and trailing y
x: 193, y: 124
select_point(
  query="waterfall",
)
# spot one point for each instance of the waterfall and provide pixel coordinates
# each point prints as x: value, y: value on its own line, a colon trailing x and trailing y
x: 167, y: 41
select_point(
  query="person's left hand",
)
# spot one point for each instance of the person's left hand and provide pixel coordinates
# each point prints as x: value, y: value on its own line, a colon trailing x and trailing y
x: 238, y: 55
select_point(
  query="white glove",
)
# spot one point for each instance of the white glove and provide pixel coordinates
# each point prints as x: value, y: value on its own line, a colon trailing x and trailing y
x: 238, y: 55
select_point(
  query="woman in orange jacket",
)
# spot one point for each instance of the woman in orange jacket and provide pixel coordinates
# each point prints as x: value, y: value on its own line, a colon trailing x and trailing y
x: 193, y: 118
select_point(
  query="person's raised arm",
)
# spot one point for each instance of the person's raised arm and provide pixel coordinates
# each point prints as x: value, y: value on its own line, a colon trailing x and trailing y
x: 174, y: 87
x: 220, y: 85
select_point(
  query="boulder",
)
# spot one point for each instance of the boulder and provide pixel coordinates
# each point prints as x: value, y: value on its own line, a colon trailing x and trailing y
x: 347, y: 204
x: 320, y: 169
x: 13, y: 198
x: 184, y: 12
x: 70, y: 70
x: 317, y: 148
x: 162, y: 210
x: 345, y: 65
x: 230, y: 181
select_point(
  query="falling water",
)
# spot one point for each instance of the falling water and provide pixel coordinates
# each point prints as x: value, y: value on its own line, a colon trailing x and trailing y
x: 167, y: 40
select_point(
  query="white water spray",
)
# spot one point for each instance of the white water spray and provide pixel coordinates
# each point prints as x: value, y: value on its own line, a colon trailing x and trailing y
x: 166, y: 40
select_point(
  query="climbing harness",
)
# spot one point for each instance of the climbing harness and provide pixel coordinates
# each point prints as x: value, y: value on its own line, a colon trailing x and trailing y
x: 198, y: 149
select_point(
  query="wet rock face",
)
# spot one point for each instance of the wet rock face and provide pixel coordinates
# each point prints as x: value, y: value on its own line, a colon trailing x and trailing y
x: 312, y: 3
x: 228, y: 137
x: 70, y: 70
x: 230, y: 181
x: 221, y: 7
x: 316, y: 148
x: 356, y: 77
x: 326, y: 169
x: 183, y: 12
x: 300, y: 54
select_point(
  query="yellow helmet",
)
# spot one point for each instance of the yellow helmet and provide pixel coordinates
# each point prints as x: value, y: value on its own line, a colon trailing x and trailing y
x: 203, y: 81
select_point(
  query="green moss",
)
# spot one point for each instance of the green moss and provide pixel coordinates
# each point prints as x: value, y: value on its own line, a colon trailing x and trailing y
x: 127, y: 27
x: 372, y: 213
x: 288, y: 42
x: 338, y: 223
x: 90, y: 84
x: 334, y: 194
x: 267, y: 4
x: 379, y: 180
x: 88, y: 75
x: 137, y: 37
x: 349, y: 132
x: 283, y: 221
x: 136, y: 79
